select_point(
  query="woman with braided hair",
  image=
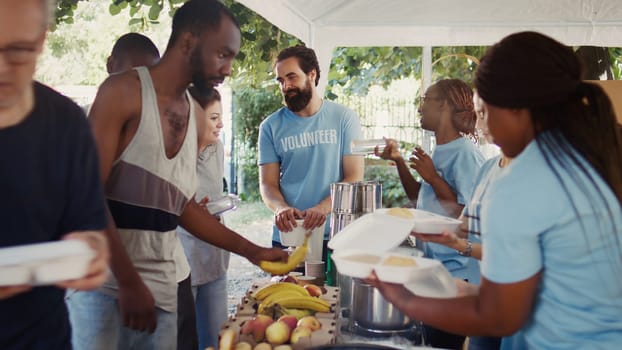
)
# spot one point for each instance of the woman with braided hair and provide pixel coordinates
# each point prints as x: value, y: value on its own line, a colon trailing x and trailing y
x: 551, y: 221
x: 448, y: 175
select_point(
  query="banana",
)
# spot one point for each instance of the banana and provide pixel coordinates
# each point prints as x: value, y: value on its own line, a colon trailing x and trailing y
x: 273, y: 298
x: 281, y: 268
x: 299, y: 313
x: 268, y: 289
x: 309, y: 303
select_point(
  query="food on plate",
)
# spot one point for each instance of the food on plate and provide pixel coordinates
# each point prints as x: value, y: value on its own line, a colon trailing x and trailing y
x: 401, y: 212
x: 399, y: 261
x: 363, y: 258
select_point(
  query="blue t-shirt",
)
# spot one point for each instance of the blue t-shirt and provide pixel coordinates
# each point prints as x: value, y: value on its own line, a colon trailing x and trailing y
x: 579, y: 300
x: 49, y: 186
x: 310, y: 151
x: 458, y: 163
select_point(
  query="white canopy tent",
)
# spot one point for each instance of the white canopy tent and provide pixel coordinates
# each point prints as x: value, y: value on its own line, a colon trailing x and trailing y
x: 326, y: 24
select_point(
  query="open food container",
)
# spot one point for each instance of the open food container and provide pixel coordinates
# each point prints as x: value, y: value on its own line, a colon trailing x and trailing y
x: 367, y: 243
x: 44, y: 263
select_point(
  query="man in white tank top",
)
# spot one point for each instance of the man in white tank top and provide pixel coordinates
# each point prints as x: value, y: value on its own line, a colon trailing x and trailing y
x: 144, y: 127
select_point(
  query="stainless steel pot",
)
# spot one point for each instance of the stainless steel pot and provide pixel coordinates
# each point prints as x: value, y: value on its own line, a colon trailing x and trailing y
x: 371, y: 311
x: 368, y: 196
x: 339, y: 221
x: 343, y: 198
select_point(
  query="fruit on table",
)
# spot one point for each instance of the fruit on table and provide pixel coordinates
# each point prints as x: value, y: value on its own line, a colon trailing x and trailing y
x: 282, y: 347
x: 278, y: 333
x: 274, y: 298
x: 281, y: 268
x: 290, y: 320
x: 313, y: 290
x: 268, y: 289
x: 310, y: 322
x: 263, y: 346
x: 257, y: 327
x: 227, y: 340
x: 305, y: 302
x: 299, y: 333
x: 299, y: 313
x: 243, y: 346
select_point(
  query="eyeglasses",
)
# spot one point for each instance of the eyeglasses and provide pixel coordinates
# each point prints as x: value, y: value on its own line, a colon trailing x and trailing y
x: 421, y: 99
x: 19, y: 55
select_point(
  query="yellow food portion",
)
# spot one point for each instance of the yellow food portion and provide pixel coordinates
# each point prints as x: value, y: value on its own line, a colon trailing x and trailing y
x: 399, y: 261
x: 363, y: 258
x: 401, y: 212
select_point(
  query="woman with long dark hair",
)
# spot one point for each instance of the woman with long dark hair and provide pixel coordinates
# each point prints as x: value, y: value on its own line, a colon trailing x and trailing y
x: 551, y: 221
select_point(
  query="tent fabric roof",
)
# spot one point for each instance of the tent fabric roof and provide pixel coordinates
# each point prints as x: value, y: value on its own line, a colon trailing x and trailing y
x: 442, y: 22
x: 326, y: 24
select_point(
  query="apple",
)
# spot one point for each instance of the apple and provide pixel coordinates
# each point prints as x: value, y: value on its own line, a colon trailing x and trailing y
x: 290, y: 279
x: 314, y: 291
x: 298, y: 333
x: 310, y: 322
x: 257, y: 326
x: 282, y: 347
x: 278, y: 333
x: 243, y: 346
x: 290, y: 320
x: 263, y: 346
x: 227, y: 340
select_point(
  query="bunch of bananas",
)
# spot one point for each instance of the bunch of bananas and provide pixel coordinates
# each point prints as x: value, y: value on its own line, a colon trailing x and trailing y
x: 281, y: 268
x: 289, y: 296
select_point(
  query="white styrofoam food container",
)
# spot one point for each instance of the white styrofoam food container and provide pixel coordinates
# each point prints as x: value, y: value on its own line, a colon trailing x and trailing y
x: 429, y: 223
x: 44, y: 263
x: 366, y: 244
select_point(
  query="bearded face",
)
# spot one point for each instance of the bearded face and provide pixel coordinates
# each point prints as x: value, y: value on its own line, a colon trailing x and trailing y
x: 297, y: 99
x: 199, y: 76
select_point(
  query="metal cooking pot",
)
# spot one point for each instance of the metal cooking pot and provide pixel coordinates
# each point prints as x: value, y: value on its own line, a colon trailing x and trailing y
x: 371, y: 311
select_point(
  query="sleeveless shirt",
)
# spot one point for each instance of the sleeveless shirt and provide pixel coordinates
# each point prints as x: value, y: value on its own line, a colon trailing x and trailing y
x: 146, y: 193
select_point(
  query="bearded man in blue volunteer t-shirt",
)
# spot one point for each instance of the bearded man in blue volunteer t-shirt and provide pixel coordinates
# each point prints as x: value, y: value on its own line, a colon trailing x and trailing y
x: 304, y: 147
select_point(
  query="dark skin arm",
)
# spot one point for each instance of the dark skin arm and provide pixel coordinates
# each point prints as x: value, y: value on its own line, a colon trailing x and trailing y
x: 498, y: 309
x: 422, y: 163
x: 392, y: 152
x: 109, y: 120
x: 210, y: 230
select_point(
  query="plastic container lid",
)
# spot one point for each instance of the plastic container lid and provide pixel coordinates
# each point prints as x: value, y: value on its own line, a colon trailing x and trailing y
x: 44, y: 263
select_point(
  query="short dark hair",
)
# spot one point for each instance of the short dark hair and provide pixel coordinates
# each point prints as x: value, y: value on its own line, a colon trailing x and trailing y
x: 307, y: 60
x: 134, y: 43
x: 205, y: 99
x: 195, y: 16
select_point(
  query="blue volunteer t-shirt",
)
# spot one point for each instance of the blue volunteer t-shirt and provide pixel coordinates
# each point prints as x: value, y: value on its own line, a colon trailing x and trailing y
x: 458, y: 163
x: 579, y: 300
x: 310, y: 151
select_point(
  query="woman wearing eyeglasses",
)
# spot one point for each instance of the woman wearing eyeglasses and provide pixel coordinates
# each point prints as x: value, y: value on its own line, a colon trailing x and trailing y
x: 448, y: 176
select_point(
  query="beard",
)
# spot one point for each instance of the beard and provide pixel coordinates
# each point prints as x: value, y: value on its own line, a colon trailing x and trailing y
x: 298, y: 101
x: 198, y: 74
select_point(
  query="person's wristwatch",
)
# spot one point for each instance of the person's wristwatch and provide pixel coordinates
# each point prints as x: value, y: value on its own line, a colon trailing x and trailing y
x: 468, y: 250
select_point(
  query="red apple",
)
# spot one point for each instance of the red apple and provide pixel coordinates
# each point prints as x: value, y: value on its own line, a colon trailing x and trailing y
x: 298, y: 333
x: 257, y: 326
x: 278, y: 333
x: 310, y: 322
x: 314, y: 291
x: 290, y: 320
